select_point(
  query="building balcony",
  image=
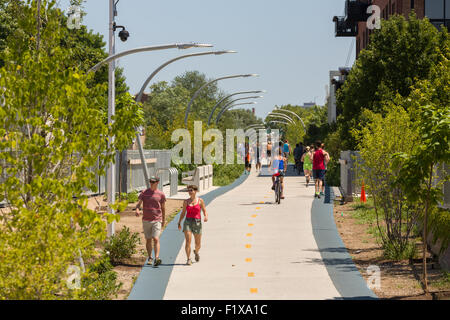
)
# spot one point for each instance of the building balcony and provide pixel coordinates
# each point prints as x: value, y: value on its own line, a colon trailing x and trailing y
x: 356, y: 10
x: 344, y: 28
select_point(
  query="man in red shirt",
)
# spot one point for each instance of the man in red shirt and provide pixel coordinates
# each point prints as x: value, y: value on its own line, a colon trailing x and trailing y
x: 320, y: 157
x: 154, y: 217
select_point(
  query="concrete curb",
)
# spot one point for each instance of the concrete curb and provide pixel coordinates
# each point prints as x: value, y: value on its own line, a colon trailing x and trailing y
x: 343, y: 272
x: 152, y: 282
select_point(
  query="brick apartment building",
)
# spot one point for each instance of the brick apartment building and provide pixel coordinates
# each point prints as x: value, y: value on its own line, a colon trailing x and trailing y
x: 354, y: 23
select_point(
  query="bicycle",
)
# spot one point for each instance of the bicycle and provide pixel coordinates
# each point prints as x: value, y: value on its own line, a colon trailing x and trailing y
x: 277, y: 189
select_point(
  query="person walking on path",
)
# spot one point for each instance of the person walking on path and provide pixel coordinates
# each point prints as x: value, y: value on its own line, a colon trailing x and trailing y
x: 298, y: 152
x: 193, y: 222
x: 248, y: 158
x: 258, y: 157
x: 269, y: 152
x: 286, y: 151
x: 325, y: 163
x: 319, y: 159
x: 153, y: 218
x: 307, y: 164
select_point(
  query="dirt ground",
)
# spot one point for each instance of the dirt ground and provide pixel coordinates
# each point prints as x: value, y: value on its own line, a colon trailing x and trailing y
x: 399, y: 280
x: 128, y: 271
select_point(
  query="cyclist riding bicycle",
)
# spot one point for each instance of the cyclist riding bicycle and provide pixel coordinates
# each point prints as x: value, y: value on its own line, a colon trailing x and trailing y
x: 278, y: 169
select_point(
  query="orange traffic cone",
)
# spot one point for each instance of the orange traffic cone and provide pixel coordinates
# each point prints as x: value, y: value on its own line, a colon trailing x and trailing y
x: 363, y: 193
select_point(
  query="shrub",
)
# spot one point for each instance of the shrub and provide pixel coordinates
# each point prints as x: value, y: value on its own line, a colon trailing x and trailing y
x: 224, y: 174
x: 122, y: 245
x: 379, y: 139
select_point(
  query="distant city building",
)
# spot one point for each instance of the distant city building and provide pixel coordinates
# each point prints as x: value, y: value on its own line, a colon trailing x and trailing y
x: 354, y: 23
x: 337, y: 79
x: 308, y: 105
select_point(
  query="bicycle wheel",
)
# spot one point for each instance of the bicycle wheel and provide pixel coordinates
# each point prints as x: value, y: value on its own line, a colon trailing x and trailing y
x: 276, y: 191
x: 279, y: 192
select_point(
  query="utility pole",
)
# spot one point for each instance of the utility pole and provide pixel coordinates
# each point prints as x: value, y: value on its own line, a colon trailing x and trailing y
x: 111, y: 170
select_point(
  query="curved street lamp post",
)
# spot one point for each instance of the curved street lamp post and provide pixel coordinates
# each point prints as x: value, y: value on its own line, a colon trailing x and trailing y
x: 207, y: 84
x: 229, y: 103
x: 303, y: 124
x: 229, y: 107
x: 279, y: 116
x: 141, y: 92
x: 229, y: 96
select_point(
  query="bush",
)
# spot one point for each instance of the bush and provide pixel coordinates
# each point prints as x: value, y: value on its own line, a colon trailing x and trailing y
x: 225, y: 174
x: 132, y: 196
x: 393, y: 253
x: 122, y: 245
x: 100, y: 286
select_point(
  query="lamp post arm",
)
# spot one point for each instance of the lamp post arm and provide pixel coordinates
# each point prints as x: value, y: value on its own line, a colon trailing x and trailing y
x: 205, y: 85
x: 222, y: 111
x: 281, y: 117
x: 303, y: 124
x: 143, y: 49
x: 141, y: 92
x: 225, y: 98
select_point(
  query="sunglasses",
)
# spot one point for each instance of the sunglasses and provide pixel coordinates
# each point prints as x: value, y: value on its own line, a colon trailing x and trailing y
x: 154, y: 181
x: 191, y: 190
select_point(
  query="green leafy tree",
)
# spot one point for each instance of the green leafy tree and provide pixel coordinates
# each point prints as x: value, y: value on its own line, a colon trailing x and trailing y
x: 429, y: 103
x: 401, y: 53
x: 52, y: 133
x: 377, y: 142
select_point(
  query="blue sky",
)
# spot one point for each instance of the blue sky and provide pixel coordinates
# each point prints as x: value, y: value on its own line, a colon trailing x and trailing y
x: 289, y: 43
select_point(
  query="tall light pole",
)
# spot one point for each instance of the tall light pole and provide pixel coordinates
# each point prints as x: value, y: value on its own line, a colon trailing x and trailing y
x: 207, y: 84
x: 141, y: 92
x: 111, y: 168
x: 229, y: 96
x: 229, y: 107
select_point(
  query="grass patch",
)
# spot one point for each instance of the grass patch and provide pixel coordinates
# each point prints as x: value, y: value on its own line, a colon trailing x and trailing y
x: 444, y: 282
x: 364, y: 213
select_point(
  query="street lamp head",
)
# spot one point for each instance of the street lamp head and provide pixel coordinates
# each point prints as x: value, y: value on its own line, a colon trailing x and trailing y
x: 226, y: 51
x: 193, y: 45
x: 251, y: 75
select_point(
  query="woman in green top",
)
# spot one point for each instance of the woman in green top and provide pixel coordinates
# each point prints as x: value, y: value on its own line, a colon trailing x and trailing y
x: 307, y: 164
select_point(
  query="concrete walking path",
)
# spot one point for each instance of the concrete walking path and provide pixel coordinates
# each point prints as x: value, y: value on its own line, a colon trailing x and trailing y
x: 253, y: 248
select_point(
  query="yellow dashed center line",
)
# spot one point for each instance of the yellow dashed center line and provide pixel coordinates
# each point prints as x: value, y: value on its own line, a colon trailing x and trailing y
x: 257, y: 208
x: 250, y: 224
x: 253, y: 290
x: 248, y: 246
x: 248, y: 260
x: 254, y: 216
x: 251, y: 274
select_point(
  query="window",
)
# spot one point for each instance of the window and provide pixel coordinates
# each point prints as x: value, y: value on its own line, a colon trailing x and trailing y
x: 412, y: 4
x: 434, y: 9
x: 438, y: 11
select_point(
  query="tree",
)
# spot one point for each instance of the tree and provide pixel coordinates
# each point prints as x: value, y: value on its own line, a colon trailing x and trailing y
x: 52, y: 133
x: 401, y: 53
x: 377, y: 141
x: 429, y: 103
